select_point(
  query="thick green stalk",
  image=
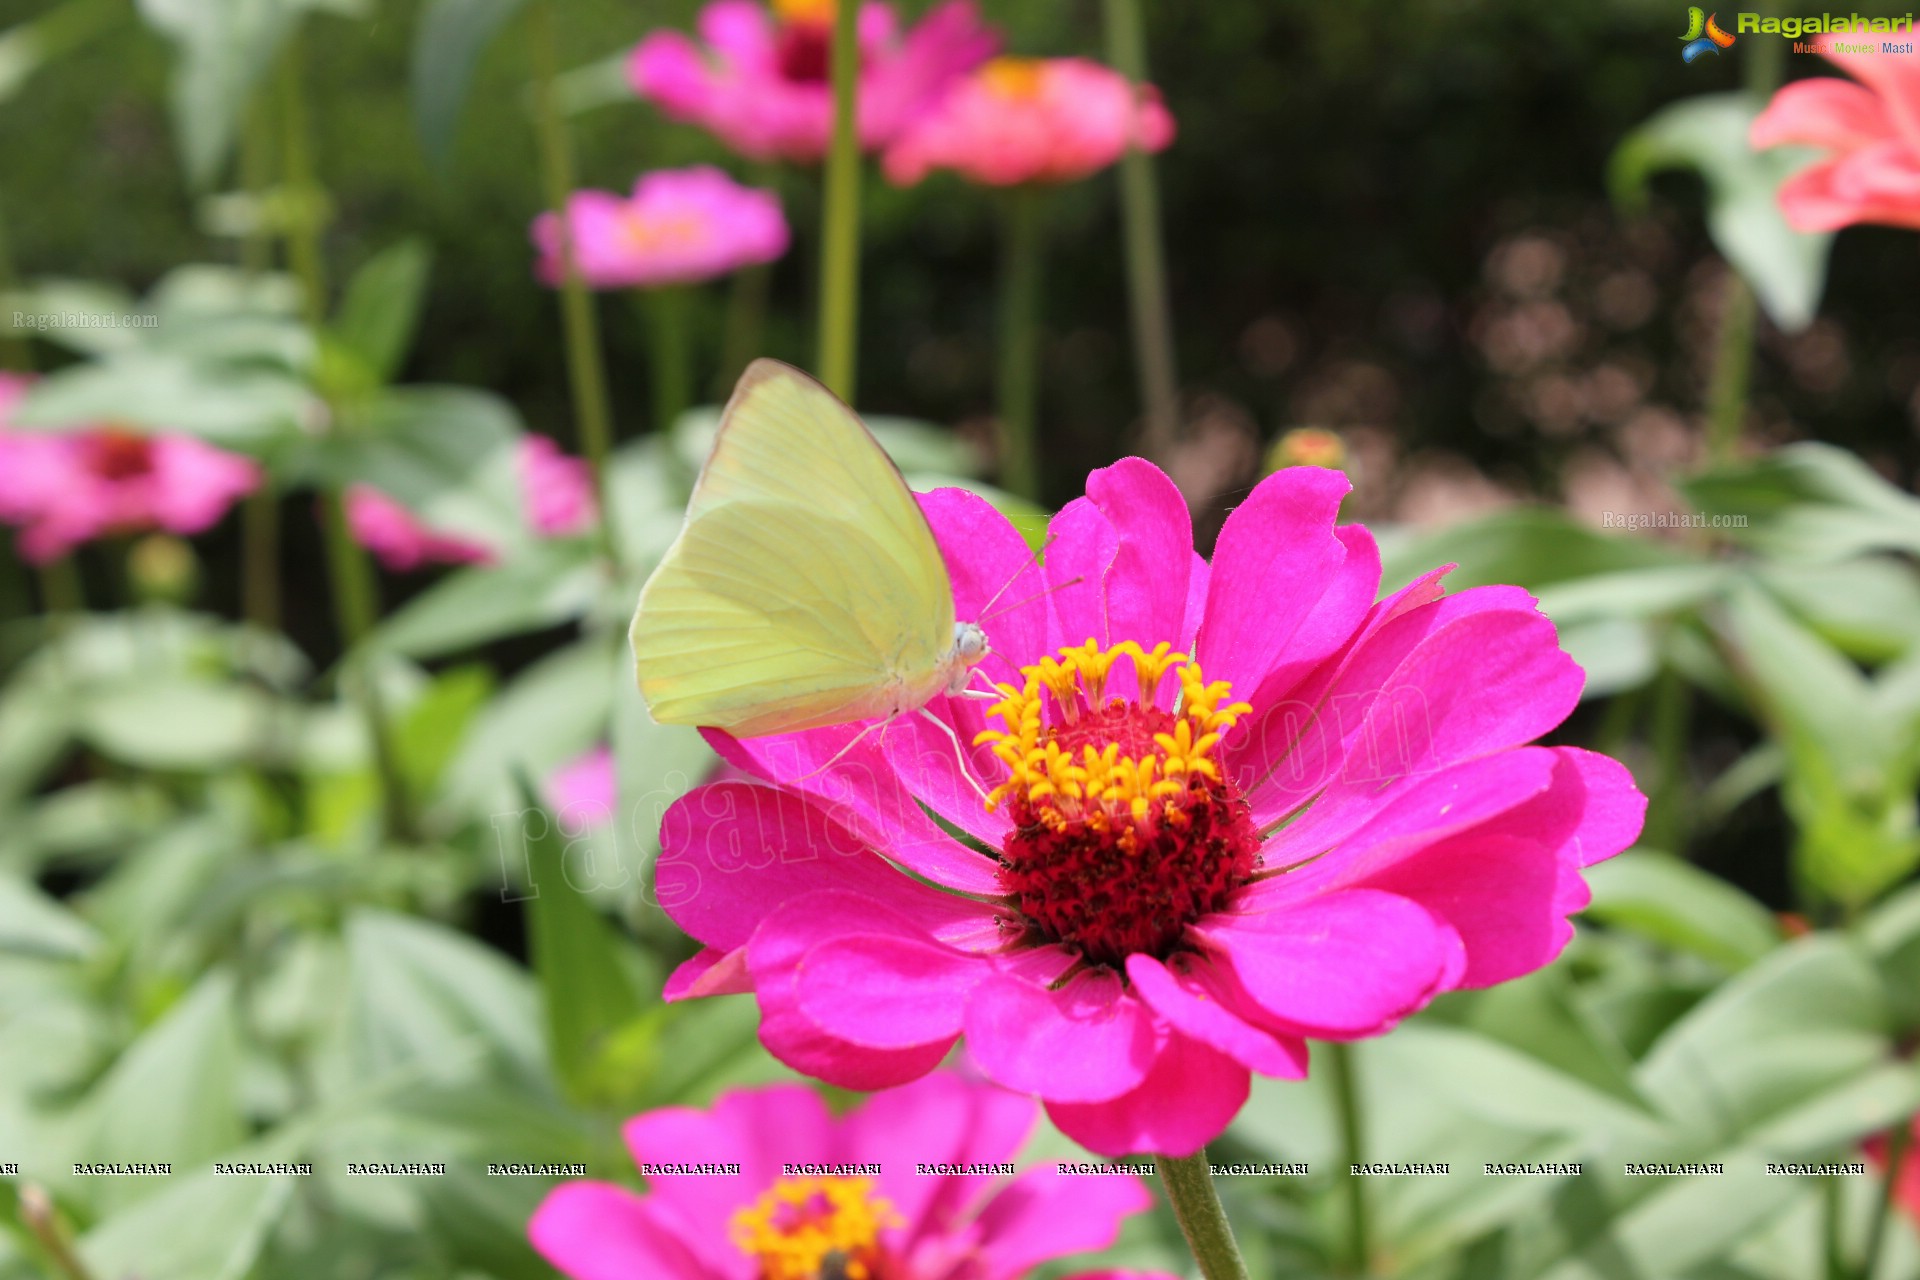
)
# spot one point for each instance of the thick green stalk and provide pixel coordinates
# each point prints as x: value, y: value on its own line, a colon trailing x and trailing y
x: 1899, y: 1141
x: 840, y: 243
x: 1732, y: 371
x: 1019, y: 381
x: 260, y: 557
x: 60, y: 590
x: 1146, y: 260
x: 1353, y: 1147
x: 356, y: 598
x: 1197, y: 1208
x: 746, y: 325
x: 356, y: 607
x: 15, y: 355
x: 580, y: 327
x: 671, y: 365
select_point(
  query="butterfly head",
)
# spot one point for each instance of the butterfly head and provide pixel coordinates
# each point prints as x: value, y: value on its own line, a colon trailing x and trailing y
x: 969, y: 647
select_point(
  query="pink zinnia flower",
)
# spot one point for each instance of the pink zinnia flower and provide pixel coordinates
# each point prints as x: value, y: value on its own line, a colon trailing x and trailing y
x: 585, y: 790
x: 558, y: 489
x: 763, y: 1224
x: 1871, y: 131
x: 555, y: 489
x: 762, y: 87
x: 1906, y: 1188
x: 680, y: 226
x: 399, y: 540
x: 1022, y: 120
x: 66, y: 488
x: 1185, y: 868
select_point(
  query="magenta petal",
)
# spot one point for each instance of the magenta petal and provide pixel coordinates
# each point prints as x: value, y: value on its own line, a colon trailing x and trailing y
x: 1194, y: 1010
x: 944, y: 1118
x: 1086, y: 1042
x: 1275, y: 557
x: 1146, y: 586
x: 1043, y: 1215
x: 733, y: 852
x: 1340, y: 966
x: 1824, y: 112
x: 776, y: 955
x: 1081, y: 547
x: 886, y: 991
x: 712, y: 972
x: 597, y: 1231
x: 1186, y: 1101
x: 995, y: 575
x: 1500, y: 894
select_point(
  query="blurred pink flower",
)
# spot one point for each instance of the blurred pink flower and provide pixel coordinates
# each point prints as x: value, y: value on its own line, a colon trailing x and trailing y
x: 1906, y: 1187
x: 585, y: 791
x: 400, y: 541
x: 558, y: 489
x: 64, y: 488
x: 680, y: 226
x: 1871, y: 132
x: 896, y: 1224
x: 761, y: 84
x: 1032, y: 120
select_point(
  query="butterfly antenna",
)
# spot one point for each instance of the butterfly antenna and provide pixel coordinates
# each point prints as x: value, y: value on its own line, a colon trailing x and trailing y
x: 1074, y: 581
x: 958, y: 754
x: 1033, y: 558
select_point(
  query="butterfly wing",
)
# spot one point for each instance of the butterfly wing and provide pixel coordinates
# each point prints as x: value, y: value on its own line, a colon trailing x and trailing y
x: 805, y: 588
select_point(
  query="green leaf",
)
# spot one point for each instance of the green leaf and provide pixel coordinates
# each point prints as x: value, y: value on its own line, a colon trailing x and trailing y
x: 552, y: 712
x: 1891, y: 934
x: 381, y: 309
x: 1869, y: 608
x: 225, y: 49
x: 429, y: 732
x: 452, y: 36
x: 31, y: 923
x: 238, y: 407
x: 1708, y: 135
x: 1803, y: 1019
x: 1531, y: 547
x: 173, y: 1096
x: 1810, y: 503
x: 1670, y: 901
x: 199, y: 1227
x: 186, y: 724
x: 575, y: 952
x: 550, y: 583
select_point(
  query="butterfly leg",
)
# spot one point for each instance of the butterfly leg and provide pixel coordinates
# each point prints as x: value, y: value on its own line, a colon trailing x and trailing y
x: 959, y: 754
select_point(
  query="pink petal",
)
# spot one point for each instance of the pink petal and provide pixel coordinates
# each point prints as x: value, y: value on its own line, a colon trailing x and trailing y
x: 1081, y: 546
x: 1186, y: 1101
x: 887, y: 991
x: 731, y: 853
x: 1193, y: 1009
x: 1146, y: 584
x: 712, y: 972
x: 776, y: 956
x: 1043, y: 1215
x: 943, y: 1118
x: 1085, y: 1042
x: 1824, y: 112
x: 995, y: 574
x: 1339, y: 966
x: 597, y: 1231
x: 1276, y: 555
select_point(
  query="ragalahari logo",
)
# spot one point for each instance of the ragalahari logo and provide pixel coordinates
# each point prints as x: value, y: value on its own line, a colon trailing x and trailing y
x: 1703, y: 35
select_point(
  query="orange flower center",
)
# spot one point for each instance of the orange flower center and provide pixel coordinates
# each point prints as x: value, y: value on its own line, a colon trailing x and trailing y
x: 814, y: 12
x: 1016, y: 78
x: 650, y: 232
x: 1125, y: 830
x: 815, y: 1229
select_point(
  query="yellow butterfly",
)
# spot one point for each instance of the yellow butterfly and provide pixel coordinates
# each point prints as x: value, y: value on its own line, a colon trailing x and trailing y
x: 805, y: 588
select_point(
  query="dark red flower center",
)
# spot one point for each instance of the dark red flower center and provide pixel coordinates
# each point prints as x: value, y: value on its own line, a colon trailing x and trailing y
x: 804, y: 52
x: 1125, y: 830
x: 118, y: 455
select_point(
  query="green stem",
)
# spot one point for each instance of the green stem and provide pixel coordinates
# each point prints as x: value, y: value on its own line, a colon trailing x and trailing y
x: 1353, y: 1148
x: 60, y: 589
x: 260, y: 557
x: 580, y: 326
x: 38, y: 1215
x: 1830, y: 1214
x: 1899, y: 1140
x: 672, y: 356
x: 1670, y: 806
x: 303, y: 231
x: 356, y: 607
x: 746, y: 325
x: 15, y: 354
x: 1019, y: 383
x: 1146, y: 260
x: 256, y: 176
x: 1732, y: 371
x: 840, y: 243
x: 1197, y: 1208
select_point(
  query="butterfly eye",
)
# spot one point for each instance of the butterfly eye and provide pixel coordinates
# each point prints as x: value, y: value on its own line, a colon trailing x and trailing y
x: 970, y: 642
